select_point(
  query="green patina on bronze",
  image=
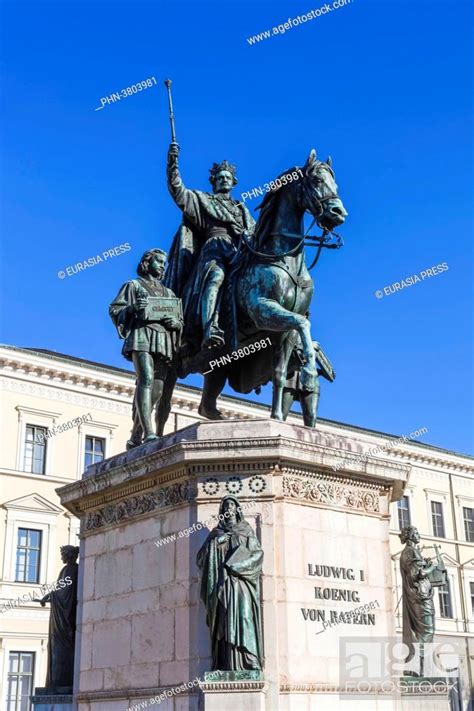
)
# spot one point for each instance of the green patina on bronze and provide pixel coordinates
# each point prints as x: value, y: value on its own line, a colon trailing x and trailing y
x: 148, y: 317
x: 240, y: 280
x: 62, y: 623
x: 230, y: 562
x: 419, y: 576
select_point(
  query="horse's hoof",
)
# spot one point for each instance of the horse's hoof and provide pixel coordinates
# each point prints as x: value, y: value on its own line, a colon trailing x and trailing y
x: 211, y: 413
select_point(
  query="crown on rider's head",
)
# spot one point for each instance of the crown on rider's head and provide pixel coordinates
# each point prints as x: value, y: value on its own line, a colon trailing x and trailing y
x: 217, y: 167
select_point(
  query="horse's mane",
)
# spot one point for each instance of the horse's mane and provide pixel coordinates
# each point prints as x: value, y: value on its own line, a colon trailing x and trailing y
x: 267, y: 207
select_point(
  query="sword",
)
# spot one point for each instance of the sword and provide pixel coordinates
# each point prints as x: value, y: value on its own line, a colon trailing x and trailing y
x: 170, y: 104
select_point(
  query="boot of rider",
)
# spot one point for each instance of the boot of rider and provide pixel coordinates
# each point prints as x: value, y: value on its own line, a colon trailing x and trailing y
x: 213, y: 336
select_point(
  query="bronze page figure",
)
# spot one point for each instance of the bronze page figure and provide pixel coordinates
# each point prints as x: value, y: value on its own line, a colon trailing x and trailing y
x: 148, y: 317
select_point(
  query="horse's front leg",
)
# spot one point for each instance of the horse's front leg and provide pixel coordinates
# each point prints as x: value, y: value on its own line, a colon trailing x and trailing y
x: 279, y: 378
x: 309, y: 371
x: 268, y: 314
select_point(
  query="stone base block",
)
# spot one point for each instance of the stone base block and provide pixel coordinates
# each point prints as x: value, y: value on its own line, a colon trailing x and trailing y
x: 426, y: 694
x: 366, y: 702
x: 59, y: 699
x: 234, y: 695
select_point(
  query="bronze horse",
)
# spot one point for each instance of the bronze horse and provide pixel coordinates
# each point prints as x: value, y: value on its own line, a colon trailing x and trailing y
x: 273, y: 290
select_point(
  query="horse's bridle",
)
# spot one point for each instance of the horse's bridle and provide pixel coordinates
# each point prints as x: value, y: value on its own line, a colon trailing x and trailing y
x: 320, y: 241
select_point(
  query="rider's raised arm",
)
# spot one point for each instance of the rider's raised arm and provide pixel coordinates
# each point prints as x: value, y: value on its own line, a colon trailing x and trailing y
x: 185, y: 199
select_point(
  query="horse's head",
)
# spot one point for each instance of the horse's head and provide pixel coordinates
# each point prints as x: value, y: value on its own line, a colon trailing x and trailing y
x: 319, y: 193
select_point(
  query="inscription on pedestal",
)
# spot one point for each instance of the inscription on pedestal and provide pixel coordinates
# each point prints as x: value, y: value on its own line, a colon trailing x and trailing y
x: 356, y: 616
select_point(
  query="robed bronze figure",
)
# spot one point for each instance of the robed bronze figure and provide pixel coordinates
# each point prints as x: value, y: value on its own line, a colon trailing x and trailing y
x: 62, y: 622
x: 419, y: 576
x: 148, y: 317
x: 231, y: 564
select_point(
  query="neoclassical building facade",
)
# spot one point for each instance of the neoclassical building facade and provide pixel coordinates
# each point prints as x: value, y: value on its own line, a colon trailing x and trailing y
x: 60, y: 414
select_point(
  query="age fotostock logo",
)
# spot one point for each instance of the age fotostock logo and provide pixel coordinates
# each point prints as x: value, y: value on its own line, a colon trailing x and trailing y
x: 384, y: 663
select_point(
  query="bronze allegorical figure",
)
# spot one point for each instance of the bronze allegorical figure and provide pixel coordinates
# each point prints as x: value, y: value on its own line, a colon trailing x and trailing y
x: 231, y: 564
x: 62, y: 622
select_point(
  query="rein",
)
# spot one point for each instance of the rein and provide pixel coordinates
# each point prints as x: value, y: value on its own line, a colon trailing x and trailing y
x: 319, y: 241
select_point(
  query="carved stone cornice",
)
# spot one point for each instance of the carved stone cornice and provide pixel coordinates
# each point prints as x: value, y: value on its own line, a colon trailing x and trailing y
x: 415, y: 688
x: 335, y: 492
x: 76, y: 394
x: 434, y: 460
x: 216, y: 687
x: 194, y: 445
x: 226, y: 458
x: 129, y: 693
x: 137, y: 505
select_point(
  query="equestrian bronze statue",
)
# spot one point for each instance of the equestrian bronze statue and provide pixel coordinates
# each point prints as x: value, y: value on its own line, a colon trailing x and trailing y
x: 242, y: 282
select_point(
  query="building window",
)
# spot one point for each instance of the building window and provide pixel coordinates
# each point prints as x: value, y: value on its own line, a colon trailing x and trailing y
x: 445, y: 604
x: 20, y: 680
x: 437, y: 519
x: 403, y: 506
x: 35, y: 449
x: 468, y: 516
x: 95, y: 450
x: 471, y: 590
x: 28, y: 554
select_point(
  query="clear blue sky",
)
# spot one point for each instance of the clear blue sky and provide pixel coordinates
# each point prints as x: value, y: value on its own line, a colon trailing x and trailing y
x: 382, y: 86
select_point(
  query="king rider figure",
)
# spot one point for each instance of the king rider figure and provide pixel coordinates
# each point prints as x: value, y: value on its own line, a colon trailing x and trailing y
x: 216, y: 221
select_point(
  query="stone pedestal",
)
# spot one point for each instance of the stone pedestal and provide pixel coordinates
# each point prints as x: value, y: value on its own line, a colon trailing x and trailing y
x: 431, y: 694
x: 45, y: 699
x: 235, y: 695
x: 144, y: 515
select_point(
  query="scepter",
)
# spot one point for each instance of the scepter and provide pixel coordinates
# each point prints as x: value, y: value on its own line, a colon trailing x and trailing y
x: 170, y: 104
